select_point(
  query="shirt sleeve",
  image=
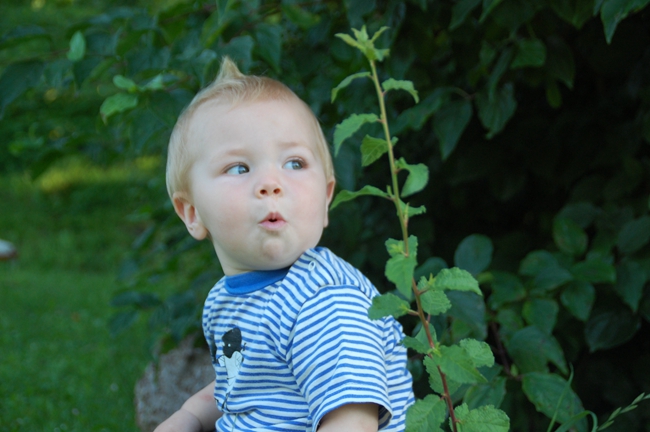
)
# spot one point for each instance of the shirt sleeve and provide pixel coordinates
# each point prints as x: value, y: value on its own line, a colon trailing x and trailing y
x: 337, y: 353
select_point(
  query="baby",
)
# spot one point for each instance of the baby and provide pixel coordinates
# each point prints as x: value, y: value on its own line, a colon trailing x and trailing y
x: 291, y: 343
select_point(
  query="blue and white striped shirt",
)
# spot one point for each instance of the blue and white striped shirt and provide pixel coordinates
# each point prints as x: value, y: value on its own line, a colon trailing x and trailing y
x: 289, y: 346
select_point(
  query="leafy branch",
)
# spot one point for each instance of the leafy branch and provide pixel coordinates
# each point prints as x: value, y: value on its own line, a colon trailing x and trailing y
x: 448, y: 366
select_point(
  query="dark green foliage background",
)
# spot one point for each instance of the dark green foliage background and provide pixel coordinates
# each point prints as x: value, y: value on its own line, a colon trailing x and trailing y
x: 529, y: 109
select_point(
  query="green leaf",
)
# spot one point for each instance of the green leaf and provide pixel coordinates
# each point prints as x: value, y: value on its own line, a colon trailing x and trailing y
x: 430, y: 267
x: 346, y: 195
x: 531, y: 349
x: 582, y: 213
x: 372, y: 149
x: 495, y: 111
x: 449, y: 122
x: 415, y: 116
x: 541, y: 313
x: 77, y: 47
x: 613, y: 12
x: 417, y: 179
x: 435, y: 302
x: 479, y: 352
x: 575, y: 12
x: 530, y: 53
x: 399, y: 268
x: 483, y: 419
x: 457, y: 364
x: 630, y: 281
x: 491, y: 393
x: 546, y: 270
x: 435, y: 381
x: 240, y: 50
x: 610, y: 327
x: 269, y: 44
x: 595, y: 271
x: 474, y: 253
x: 393, y: 84
x: 121, y: 321
x: 387, y: 305
x: 578, y: 297
x: 117, y: 103
x: 349, y: 126
x: 16, y: 79
x: 346, y: 82
x: 460, y: 10
x: 544, y: 390
x: 416, y: 345
x: 488, y: 6
x: 456, y: 279
x: 634, y: 235
x: 469, y: 308
x: 569, y: 237
x: 421, y: 335
x: 560, y: 63
x: 23, y: 34
x: 125, y: 83
x: 426, y: 415
x: 300, y: 16
x: 506, y: 288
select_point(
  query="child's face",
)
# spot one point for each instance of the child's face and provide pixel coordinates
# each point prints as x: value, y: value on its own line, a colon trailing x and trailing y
x: 258, y: 186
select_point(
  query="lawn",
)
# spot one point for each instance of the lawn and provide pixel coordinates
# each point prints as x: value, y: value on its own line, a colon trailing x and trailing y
x: 60, y: 369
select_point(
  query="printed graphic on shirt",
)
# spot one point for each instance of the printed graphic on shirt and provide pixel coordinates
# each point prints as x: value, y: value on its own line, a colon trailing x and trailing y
x: 232, y: 358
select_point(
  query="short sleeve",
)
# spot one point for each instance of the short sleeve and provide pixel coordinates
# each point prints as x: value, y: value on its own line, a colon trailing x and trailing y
x: 337, y: 353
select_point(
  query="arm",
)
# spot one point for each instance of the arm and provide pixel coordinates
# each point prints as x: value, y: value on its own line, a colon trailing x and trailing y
x: 198, y: 414
x: 362, y: 417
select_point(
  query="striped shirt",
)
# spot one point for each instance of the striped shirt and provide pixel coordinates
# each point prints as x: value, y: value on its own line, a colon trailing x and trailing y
x: 288, y: 346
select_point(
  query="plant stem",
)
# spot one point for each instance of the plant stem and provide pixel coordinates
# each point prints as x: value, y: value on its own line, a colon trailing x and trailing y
x: 403, y: 220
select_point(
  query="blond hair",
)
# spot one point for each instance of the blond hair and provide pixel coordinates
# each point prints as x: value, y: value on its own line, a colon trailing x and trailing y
x: 232, y: 87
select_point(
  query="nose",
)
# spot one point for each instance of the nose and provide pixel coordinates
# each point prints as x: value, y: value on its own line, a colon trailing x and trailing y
x: 269, y: 186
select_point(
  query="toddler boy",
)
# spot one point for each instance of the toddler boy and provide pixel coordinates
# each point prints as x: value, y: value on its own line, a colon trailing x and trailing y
x: 291, y: 343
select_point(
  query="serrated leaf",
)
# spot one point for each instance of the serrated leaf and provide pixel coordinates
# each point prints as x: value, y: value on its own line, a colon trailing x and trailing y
x: 544, y: 390
x: 118, y: 103
x: 482, y: 419
x: 460, y: 10
x: 569, y: 237
x: 611, y: 327
x: 491, y: 393
x: 346, y: 195
x: 77, y: 49
x: 530, y: 53
x: 346, y: 82
x: 578, y: 297
x: 400, y: 268
x: 124, y: 83
x: 422, y: 337
x: 435, y: 302
x: 416, y: 345
x: 372, y: 149
x: 417, y: 179
x: 456, y: 363
x: 479, y: 352
x: 531, y: 349
x: 426, y: 415
x: 349, y: 126
x: 349, y: 40
x: 506, y: 288
x: 594, y: 271
x: 456, y: 279
x: 630, y: 282
x: 449, y: 123
x: 495, y: 111
x: 387, y: 305
x: 393, y: 84
x: 474, y: 253
x: 634, y: 235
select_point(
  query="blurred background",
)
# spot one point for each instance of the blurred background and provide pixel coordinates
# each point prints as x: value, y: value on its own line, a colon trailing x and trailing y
x: 533, y: 123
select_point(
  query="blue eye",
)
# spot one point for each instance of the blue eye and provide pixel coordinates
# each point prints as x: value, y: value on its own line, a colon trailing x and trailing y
x: 294, y: 164
x: 237, y: 169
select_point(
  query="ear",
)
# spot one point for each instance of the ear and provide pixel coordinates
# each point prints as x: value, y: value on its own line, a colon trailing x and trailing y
x: 329, y: 195
x: 188, y: 214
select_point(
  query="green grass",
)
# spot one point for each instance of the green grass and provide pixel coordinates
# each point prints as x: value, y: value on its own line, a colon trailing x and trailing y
x: 60, y: 370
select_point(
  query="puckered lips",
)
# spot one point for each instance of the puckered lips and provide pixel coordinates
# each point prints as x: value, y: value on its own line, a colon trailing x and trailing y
x: 273, y: 221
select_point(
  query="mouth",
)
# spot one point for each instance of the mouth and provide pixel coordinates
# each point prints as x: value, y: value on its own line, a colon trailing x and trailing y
x: 273, y: 221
